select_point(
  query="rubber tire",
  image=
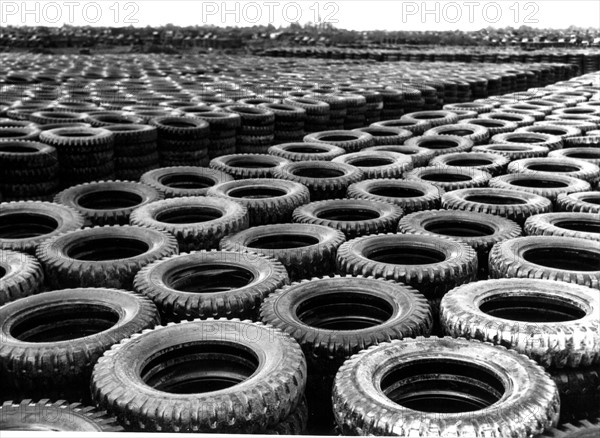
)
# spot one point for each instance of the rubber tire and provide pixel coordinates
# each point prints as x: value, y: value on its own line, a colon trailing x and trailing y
x: 497, y: 163
x: 432, y: 279
x: 306, y: 151
x: 192, y: 232
x: 586, y: 171
x: 562, y: 184
x: 579, y: 391
x: 548, y: 224
x: 107, y: 216
x: 322, y: 188
x: 385, y: 221
x: 426, y: 196
x: 45, y: 415
x: 38, y: 155
x: 507, y: 261
x: 590, y: 154
x: 479, y: 134
x: 442, y: 117
x: 513, y: 151
x: 552, y: 142
x: 228, y: 302
x: 257, y: 404
x: 502, y: 229
x: 197, y: 176
x: 64, y: 271
x: 65, y: 218
x: 396, y: 166
x: 265, y: 210
x: 386, y: 136
x: 531, y: 204
x: 454, y: 143
x: 359, y: 139
x: 579, y: 202
x: 529, y: 405
x: 571, y: 343
x: 63, y: 368
x: 313, y: 260
x: 252, y: 165
x: 419, y: 156
x: 22, y: 276
x: 325, y: 348
x: 456, y: 177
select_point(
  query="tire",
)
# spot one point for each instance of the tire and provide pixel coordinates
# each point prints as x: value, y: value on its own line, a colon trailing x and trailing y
x: 549, y: 185
x: 494, y: 126
x: 552, y: 142
x: 21, y: 275
x: 450, y: 178
x: 494, y: 164
x: 417, y: 127
x: 295, y: 424
x: 435, y: 118
x: 353, y: 217
x: 513, y: 151
x: 78, y: 141
x: 411, y: 196
x: 511, y: 204
x: 445, y: 263
x: 306, y: 151
x: 378, y: 164
x: 580, y: 225
x: 55, y: 416
x: 386, y: 136
x: 519, y: 119
x: 554, y: 323
x: 211, y: 284
x: 476, y: 133
x: 253, y: 116
x: 196, y: 222
x: 478, y: 230
x: 78, y: 258
x: 441, y: 144
x: 585, y: 202
x: 29, y: 133
x: 590, y: 155
x: 51, y: 341
x: 479, y: 108
x: 529, y: 405
x: 246, y: 166
x: 563, y: 132
x: 174, y: 182
x: 554, y: 258
x: 305, y: 250
x: 350, y: 141
x: 563, y: 166
x: 26, y: 155
x: 244, y: 407
x: 268, y: 200
x: 107, y: 202
x: 324, y: 180
x: 27, y: 224
x: 589, y: 140
x: 333, y: 318
x: 110, y: 118
x: 579, y: 391
x: 47, y: 117
x: 419, y: 156
x: 180, y: 128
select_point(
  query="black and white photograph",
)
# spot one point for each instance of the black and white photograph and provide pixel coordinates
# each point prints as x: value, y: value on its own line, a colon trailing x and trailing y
x: 318, y: 218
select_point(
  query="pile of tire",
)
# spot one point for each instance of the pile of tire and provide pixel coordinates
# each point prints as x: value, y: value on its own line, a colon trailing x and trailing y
x: 420, y: 275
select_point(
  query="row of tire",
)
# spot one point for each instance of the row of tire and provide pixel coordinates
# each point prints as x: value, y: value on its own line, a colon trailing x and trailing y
x: 147, y: 394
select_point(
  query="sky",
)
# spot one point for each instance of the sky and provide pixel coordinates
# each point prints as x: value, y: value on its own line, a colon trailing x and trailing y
x: 347, y: 14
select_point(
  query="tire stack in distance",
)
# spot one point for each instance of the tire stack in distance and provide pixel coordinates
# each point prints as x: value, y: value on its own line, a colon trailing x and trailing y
x: 424, y: 268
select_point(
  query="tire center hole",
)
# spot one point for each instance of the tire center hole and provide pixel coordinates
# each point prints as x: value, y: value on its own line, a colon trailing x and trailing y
x: 371, y: 162
x: 188, y: 182
x: 318, y: 173
x: 106, y: 248
x: 552, y: 168
x: 282, y: 241
x: 344, y: 311
x: 406, y: 255
x: 525, y: 308
x: 348, y: 214
x: 437, y: 144
x: 109, y: 200
x: 209, y: 278
x: 188, y: 215
x: 579, y: 225
x: 396, y: 192
x: 495, y: 200
x: 459, y: 228
x: 256, y: 192
x: 26, y: 225
x: 564, y: 258
x: 199, y: 367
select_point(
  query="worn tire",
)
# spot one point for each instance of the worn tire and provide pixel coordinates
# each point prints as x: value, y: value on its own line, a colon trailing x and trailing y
x: 548, y: 185
x: 585, y: 202
x: 567, y: 224
x: 268, y: 201
x: 552, y: 142
x: 210, y: 284
x: 559, y: 165
x: 411, y: 196
x: 305, y: 250
x: 21, y: 276
x: 445, y: 263
x: 306, y: 151
x: 333, y: 318
x: 476, y: 133
x: 589, y: 154
x: 246, y: 166
x: 182, y: 181
x: 386, y: 135
x: 554, y: 258
x: 378, y: 164
x: 197, y: 223
x: 350, y: 141
x: 26, y: 224
x: 513, y: 151
x: 78, y: 258
x: 554, y: 323
x: 107, y: 202
x: 368, y: 395
x: 419, y: 156
x: 324, y: 179
x: 512, y: 204
x: 59, y: 416
x: 353, y: 217
x: 259, y: 401
x: 441, y: 144
x: 450, y: 178
x: 579, y: 391
x: 51, y: 341
x: 494, y: 164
